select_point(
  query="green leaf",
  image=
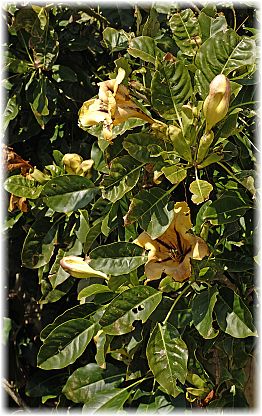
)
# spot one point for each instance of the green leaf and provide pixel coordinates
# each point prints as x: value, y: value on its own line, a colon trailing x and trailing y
x: 27, y: 19
x: 137, y: 146
x: 170, y: 88
x: 233, y: 316
x: 131, y: 305
x: 175, y: 173
x: 68, y: 193
x: 152, y: 211
x: 225, y: 209
x: 209, y: 26
x: 45, y: 49
x: 112, y: 400
x: 167, y: 357
x: 21, y: 186
x: 38, y: 246
x: 117, y: 258
x: 202, y: 309
x: 115, y: 40
x: 42, y: 383
x: 66, y: 343
x: 223, y: 53
x: 200, y: 190
x: 92, y: 290
x: 11, y: 111
x: 144, y: 47
x: 63, y: 73
x: 185, y: 28
x: 79, y: 311
x: 123, y: 176
x: 89, y: 380
x: 7, y: 326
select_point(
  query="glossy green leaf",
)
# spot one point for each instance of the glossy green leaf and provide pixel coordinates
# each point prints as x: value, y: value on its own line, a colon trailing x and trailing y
x: 170, y: 88
x: 233, y: 316
x: 68, y: 193
x: 226, y: 209
x: 185, y: 28
x: 115, y: 40
x: 63, y: 73
x: 11, y: 111
x: 66, y: 343
x: 87, y: 381
x: 202, y: 309
x: 223, y: 53
x: 107, y: 400
x: 92, y: 290
x: 200, y: 190
x: 131, y: 305
x: 117, y: 258
x: 145, y: 48
x: 152, y: 211
x: 167, y: 357
x: 175, y: 173
x: 209, y: 26
x: 21, y: 186
x: 136, y: 145
x: 79, y: 311
x: 123, y: 176
x: 38, y: 246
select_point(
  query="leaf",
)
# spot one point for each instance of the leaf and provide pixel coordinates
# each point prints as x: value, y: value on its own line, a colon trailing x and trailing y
x: 42, y: 383
x: 131, y: 305
x: 167, y: 357
x: 21, y: 186
x: 233, y: 316
x: 45, y: 49
x: 225, y: 209
x: 117, y: 258
x: 87, y: 381
x: 185, y: 28
x: 144, y: 47
x: 137, y: 145
x: 202, y: 309
x: 152, y: 211
x: 209, y: 26
x: 175, y: 173
x: 38, y: 246
x: 68, y: 193
x: 65, y: 343
x: 115, y: 40
x: 223, y: 53
x: 92, y: 290
x: 200, y: 190
x: 112, y: 400
x: 79, y: 311
x: 63, y: 73
x: 11, y: 111
x: 123, y: 176
x: 170, y: 88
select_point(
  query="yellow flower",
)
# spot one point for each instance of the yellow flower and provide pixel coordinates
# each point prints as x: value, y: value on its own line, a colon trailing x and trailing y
x: 78, y: 267
x: 171, y: 252
x: 112, y: 107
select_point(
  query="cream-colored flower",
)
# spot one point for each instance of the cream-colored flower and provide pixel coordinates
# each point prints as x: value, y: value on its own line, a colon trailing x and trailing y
x: 112, y: 107
x: 78, y: 267
x: 171, y: 252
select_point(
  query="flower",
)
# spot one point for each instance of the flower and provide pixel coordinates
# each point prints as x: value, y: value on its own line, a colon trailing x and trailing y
x: 79, y: 268
x: 112, y: 107
x: 216, y: 104
x: 171, y: 252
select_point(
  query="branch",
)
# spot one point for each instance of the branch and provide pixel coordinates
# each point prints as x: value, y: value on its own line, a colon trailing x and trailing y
x: 9, y: 389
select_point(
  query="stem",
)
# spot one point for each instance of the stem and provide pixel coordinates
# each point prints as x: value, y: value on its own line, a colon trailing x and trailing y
x: 175, y: 302
x: 9, y: 389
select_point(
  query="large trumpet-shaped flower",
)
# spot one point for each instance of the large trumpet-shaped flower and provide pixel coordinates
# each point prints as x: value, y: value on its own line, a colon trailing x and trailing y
x: 112, y: 107
x: 171, y: 252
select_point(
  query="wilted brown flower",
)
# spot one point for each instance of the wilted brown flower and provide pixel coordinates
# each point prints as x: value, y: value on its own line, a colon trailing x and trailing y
x: 171, y: 252
x: 112, y: 107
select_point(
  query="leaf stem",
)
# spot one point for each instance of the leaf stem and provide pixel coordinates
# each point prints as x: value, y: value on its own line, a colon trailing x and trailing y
x: 175, y: 302
x: 230, y: 173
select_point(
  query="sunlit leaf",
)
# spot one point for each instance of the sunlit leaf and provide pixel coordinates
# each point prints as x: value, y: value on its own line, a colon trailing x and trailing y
x: 202, y: 310
x: 200, y: 190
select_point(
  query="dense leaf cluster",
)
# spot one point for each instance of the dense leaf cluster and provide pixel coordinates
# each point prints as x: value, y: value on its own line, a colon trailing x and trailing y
x: 102, y: 339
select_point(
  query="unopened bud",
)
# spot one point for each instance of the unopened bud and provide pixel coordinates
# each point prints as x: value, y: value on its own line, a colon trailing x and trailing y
x: 217, y: 102
x: 85, y: 167
x: 39, y: 176
x: 72, y: 161
x: 204, y: 144
x: 79, y: 268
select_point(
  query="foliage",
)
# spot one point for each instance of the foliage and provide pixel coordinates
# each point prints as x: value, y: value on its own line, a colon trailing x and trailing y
x: 132, y: 175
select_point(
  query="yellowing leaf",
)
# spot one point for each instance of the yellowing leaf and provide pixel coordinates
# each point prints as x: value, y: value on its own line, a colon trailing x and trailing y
x: 200, y: 190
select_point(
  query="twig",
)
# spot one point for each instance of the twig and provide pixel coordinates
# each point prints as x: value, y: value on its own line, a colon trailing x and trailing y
x: 9, y: 389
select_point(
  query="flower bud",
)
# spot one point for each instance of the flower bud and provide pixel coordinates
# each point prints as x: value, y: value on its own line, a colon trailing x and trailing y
x: 79, y: 268
x: 204, y: 144
x: 72, y: 161
x: 217, y: 102
x: 85, y: 167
